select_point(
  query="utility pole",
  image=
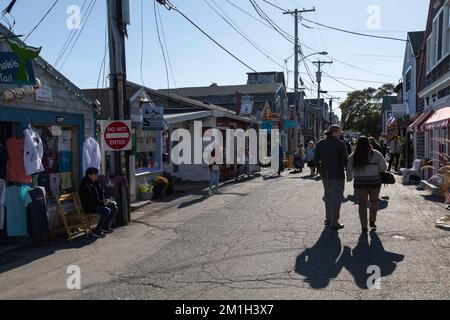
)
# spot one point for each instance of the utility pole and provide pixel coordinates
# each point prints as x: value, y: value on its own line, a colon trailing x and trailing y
x: 118, y: 19
x: 118, y: 77
x: 331, y: 108
x: 319, y: 64
x: 297, y: 15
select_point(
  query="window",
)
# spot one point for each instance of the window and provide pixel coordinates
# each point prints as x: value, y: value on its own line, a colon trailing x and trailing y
x: 440, y: 36
x: 448, y: 28
x: 408, y: 81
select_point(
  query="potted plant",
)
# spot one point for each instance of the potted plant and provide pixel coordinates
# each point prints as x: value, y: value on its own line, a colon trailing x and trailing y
x: 145, y: 192
x: 160, y: 185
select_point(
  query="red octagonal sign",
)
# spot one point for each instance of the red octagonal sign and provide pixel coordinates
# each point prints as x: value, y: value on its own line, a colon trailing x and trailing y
x: 117, y: 135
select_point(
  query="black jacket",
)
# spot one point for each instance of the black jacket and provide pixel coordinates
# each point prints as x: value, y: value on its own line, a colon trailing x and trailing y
x: 331, y: 158
x: 91, y: 194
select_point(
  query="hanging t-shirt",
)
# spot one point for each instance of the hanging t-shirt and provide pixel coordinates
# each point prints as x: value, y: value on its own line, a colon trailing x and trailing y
x: 65, y: 141
x: 65, y: 161
x: 34, y: 152
x: 37, y: 212
x: 15, y: 166
x: 2, y: 203
x: 17, y: 201
x: 92, y: 157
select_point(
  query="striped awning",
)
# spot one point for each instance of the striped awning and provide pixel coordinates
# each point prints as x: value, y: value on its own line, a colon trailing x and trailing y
x: 418, y: 124
x: 439, y: 120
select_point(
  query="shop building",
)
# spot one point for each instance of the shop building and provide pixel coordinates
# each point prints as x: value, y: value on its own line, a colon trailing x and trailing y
x: 58, y: 118
x: 152, y: 148
x: 434, y: 86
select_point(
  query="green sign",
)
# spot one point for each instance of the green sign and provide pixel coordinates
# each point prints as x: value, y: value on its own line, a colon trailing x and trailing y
x: 16, y: 67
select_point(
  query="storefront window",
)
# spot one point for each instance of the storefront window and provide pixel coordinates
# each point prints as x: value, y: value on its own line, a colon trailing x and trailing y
x: 148, y: 150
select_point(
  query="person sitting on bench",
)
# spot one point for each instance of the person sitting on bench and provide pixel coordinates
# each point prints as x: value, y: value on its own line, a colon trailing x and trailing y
x: 94, y: 201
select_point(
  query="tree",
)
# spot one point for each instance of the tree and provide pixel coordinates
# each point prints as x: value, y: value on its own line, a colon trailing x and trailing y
x: 361, y: 111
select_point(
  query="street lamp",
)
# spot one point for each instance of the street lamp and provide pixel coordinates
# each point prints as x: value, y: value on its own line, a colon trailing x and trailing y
x: 323, y: 53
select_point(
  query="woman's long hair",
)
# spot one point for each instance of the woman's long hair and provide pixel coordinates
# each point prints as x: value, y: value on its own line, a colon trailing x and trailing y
x: 363, y: 153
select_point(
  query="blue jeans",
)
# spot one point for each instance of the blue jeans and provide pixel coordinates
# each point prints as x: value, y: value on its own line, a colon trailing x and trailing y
x: 214, y: 178
x: 107, y: 216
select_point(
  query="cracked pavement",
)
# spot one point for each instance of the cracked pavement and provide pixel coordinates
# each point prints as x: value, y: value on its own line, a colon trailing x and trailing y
x: 258, y: 239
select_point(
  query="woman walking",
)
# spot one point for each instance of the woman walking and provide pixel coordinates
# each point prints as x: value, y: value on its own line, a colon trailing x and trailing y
x: 310, y: 152
x: 365, y: 166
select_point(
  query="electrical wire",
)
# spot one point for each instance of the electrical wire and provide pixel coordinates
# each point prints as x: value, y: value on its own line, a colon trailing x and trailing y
x: 166, y: 47
x: 71, y: 36
x: 356, y: 33
x: 79, y: 33
x: 161, y: 45
x: 142, y: 44
x: 233, y: 25
x: 42, y: 19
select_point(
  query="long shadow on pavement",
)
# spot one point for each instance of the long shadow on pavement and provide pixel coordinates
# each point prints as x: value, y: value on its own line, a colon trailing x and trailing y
x: 319, y: 264
x: 27, y: 255
x: 366, y: 254
x: 324, y: 260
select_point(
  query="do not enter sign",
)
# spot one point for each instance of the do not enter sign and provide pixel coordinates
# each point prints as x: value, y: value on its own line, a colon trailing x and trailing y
x: 117, y: 135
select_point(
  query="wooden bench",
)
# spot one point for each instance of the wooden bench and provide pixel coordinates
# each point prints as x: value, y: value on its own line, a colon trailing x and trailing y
x: 70, y: 211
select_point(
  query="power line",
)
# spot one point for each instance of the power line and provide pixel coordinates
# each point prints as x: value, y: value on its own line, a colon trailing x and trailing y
x: 71, y: 35
x: 355, y: 33
x: 142, y: 44
x: 42, y: 19
x: 274, y: 5
x: 79, y: 33
x: 360, y: 80
x: 161, y: 45
x: 167, y: 49
x: 233, y: 25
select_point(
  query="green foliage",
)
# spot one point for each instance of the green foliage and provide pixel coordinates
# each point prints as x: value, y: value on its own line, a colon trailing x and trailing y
x: 144, y: 188
x: 361, y: 111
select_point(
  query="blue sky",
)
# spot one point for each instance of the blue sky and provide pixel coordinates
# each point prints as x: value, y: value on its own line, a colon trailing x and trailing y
x: 196, y: 61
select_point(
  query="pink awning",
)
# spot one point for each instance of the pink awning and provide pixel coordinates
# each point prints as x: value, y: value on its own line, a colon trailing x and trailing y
x: 417, y: 125
x: 440, y: 119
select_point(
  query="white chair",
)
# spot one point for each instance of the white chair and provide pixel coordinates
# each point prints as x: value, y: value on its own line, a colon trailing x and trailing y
x: 415, y: 170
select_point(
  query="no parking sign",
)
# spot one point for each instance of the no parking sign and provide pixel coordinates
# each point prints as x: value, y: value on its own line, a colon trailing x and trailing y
x: 117, y: 135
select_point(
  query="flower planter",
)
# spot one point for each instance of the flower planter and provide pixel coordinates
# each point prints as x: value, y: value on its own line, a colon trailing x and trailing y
x: 147, y: 196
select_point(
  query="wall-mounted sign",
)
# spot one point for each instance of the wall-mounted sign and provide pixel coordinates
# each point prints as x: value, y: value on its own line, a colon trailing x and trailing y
x: 153, y: 117
x: 246, y: 105
x: 16, y: 67
x: 44, y: 94
x: 117, y: 135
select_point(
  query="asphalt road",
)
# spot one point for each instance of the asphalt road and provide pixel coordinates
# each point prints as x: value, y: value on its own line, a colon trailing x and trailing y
x: 259, y: 239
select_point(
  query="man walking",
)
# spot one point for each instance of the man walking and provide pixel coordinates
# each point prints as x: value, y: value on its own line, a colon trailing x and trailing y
x: 394, y: 153
x: 331, y: 158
